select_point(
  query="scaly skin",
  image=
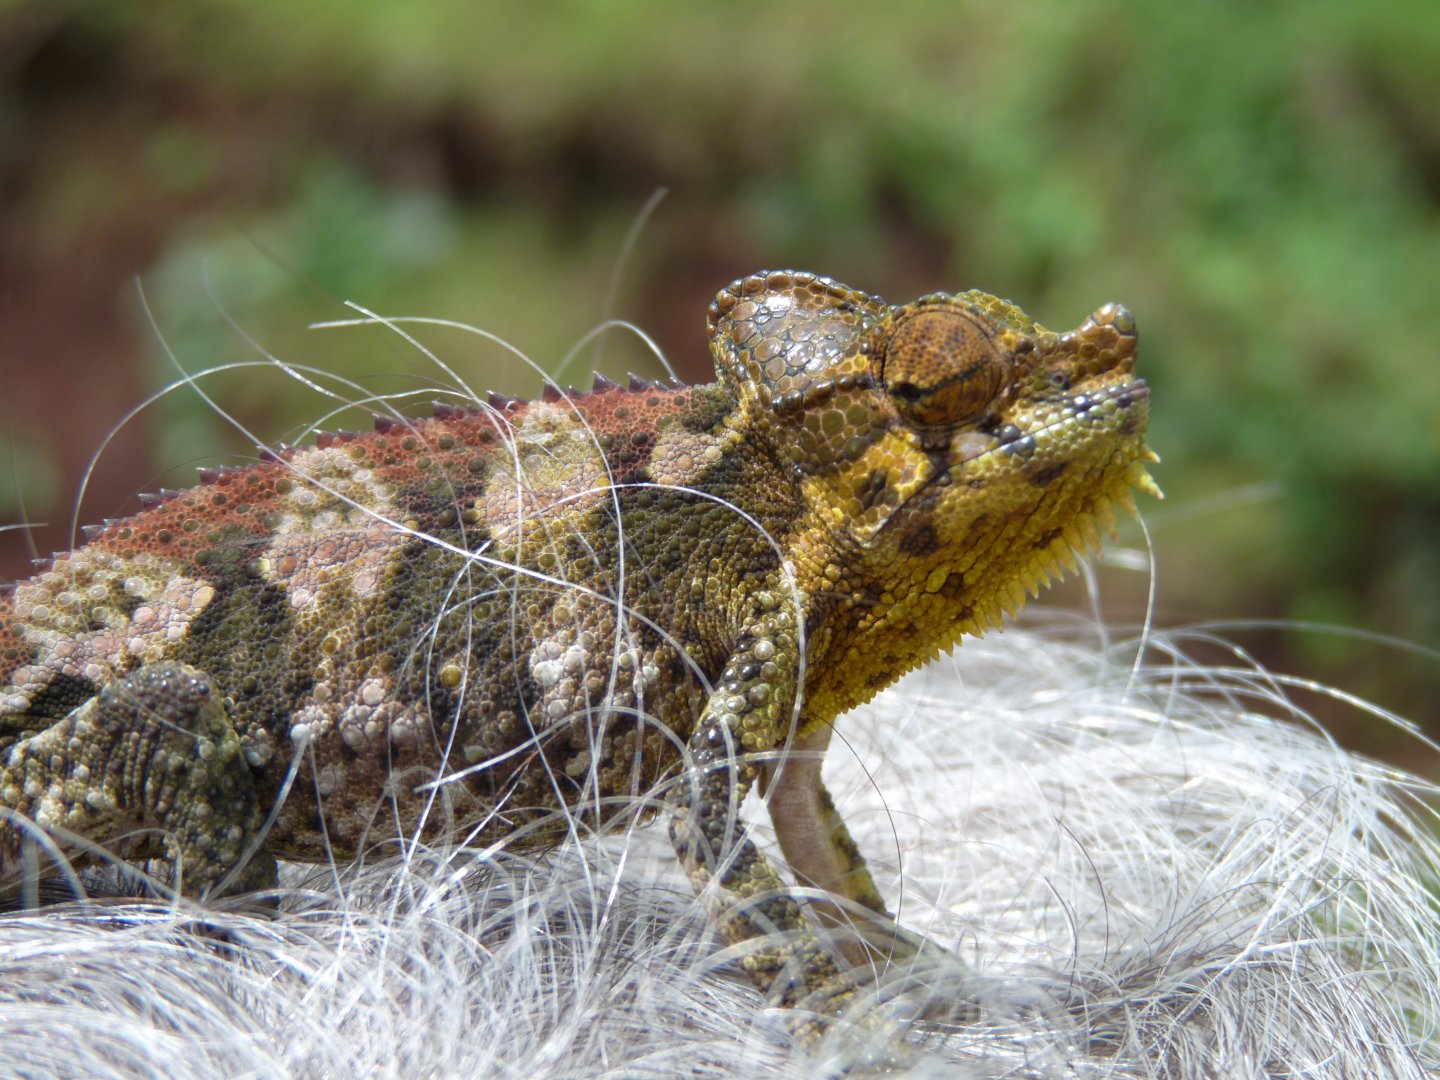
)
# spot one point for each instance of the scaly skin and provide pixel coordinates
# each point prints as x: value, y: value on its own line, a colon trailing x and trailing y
x: 458, y: 626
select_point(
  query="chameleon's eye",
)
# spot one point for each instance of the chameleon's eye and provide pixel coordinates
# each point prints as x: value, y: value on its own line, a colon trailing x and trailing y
x: 940, y: 367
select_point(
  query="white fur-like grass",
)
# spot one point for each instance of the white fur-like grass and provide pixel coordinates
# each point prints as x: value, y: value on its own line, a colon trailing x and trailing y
x: 1147, y: 877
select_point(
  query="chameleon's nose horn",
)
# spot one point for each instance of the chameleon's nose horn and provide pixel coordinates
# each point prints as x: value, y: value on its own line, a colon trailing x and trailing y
x: 1116, y: 316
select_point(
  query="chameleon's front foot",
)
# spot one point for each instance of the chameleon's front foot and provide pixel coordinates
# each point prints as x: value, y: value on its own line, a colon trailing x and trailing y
x: 796, y: 965
x: 150, y: 765
x: 828, y: 950
x: 843, y: 898
x: 753, y: 908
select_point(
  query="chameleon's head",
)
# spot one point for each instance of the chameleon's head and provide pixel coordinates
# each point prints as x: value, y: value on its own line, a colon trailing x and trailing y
x: 950, y: 449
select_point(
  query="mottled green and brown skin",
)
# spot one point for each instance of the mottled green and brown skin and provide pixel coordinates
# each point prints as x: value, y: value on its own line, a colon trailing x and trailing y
x: 459, y: 625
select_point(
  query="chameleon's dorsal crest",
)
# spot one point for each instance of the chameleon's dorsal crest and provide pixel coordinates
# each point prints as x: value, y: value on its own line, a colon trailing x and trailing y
x: 777, y: 334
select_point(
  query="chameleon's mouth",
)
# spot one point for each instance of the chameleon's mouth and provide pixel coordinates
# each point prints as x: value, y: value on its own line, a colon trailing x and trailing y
x: 1112, y: 408
x: 1117, y: 409
x: 1097, y: 416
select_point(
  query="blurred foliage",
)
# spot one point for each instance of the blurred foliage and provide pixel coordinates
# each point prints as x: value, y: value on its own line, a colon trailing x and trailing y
x: 1260, y: 183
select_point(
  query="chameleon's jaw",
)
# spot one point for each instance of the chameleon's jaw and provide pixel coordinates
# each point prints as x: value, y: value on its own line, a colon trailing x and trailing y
x: 1059, y: 452
x: 1120, y: 408
x: 1059, y: 482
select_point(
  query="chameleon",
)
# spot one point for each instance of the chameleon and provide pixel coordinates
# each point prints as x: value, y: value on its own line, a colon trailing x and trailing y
x: 513, y: 616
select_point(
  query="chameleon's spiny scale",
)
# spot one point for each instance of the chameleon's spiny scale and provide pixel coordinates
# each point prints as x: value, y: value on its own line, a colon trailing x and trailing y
x: 538, y: 604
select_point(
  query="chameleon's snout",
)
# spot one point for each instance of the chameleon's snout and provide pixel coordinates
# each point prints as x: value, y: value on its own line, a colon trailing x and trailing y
x: 1105, y: 342
x: 1117, y: 317
x: 1109, y: 335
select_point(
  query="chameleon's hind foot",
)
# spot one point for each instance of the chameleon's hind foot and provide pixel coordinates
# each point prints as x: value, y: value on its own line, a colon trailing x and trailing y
x: 151, y: 766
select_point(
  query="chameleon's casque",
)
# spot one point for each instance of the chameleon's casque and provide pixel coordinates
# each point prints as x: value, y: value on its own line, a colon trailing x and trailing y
x: 459, y: 625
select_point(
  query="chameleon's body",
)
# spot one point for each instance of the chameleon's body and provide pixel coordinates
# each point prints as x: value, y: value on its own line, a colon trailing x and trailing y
x: 561, y: 603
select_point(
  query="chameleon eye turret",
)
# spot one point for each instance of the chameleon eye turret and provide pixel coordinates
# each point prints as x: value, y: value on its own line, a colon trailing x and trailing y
x: 941, y: 365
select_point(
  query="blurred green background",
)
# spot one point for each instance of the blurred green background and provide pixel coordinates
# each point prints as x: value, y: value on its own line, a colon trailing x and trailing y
x: 1260, y: 183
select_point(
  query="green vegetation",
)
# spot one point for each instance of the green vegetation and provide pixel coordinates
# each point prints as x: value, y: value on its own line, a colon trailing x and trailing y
x: 1260, y: 183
